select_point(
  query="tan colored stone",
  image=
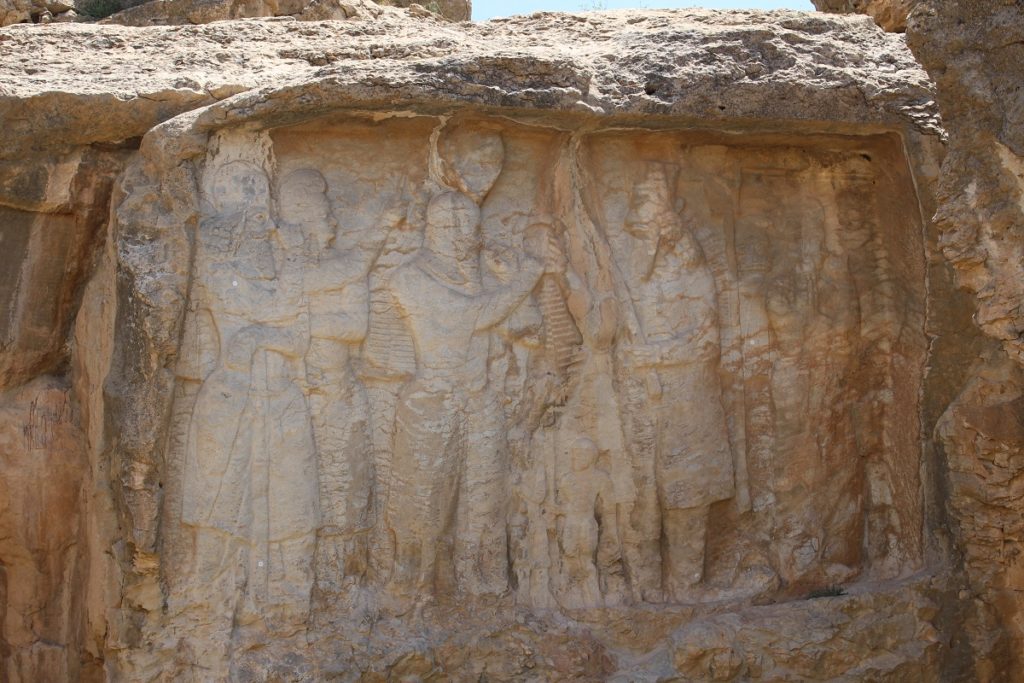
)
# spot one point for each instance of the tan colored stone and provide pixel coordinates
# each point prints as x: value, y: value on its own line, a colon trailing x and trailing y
x: 889, y: 635
x: 975, y: 52
x: 171, y: 12
x: 456, y: 10
x: 982, y: 433
x: 558, y: 348
x: 891, y: 15
x: 645, y: 433
x: 38, y: 11
x: 43, y: 471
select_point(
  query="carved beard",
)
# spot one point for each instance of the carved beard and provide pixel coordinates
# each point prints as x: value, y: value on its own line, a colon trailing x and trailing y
x: 648, y: 241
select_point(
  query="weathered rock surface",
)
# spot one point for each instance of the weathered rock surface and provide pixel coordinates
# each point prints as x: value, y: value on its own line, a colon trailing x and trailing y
x: 179, y: 12
x: 456, y: 10
x: 174, y: 12
x: 44, y: 11
x: 891, y: 15
x: 561, y: 347
x: 42, y: 549
x: 975, y: 52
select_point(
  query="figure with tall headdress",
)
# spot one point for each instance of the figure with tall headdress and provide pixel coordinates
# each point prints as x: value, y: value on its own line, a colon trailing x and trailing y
x: 670, y: 357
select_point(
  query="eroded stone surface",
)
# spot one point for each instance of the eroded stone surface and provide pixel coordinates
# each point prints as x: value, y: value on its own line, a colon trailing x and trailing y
x: 975, y: 52
x: 43, y: 471
x: 551, y: 348
x: 40, y: 11
x: 891, y: 15
x: 520, y: 455
x: 172, y: 12
x: 779, y: 66
x: 54, y: 209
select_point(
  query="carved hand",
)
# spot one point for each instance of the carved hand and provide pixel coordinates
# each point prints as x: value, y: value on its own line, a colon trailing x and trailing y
x: 643, y: 355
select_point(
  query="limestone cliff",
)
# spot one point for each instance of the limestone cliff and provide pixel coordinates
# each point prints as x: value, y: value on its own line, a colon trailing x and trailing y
x: 974, y: 52
x: 616, y: 346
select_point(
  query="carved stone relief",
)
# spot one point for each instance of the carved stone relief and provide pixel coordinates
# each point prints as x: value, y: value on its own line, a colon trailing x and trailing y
x: 427, y: 358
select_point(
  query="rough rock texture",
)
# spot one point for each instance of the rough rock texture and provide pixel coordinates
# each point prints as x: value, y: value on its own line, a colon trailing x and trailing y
x: 975, y: 53
x: 604, y: 347
x: 456, y: 10
x: 42, y: 522
x: 732, y: 66
x: 888, y: 635
x: 891, y: 15
x: 24, y: 11
x: 174, y: 12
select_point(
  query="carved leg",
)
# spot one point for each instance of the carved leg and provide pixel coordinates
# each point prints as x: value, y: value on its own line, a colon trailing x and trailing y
x: 290, y: 585
x: 213, y: 600
x: 482, y: 543
x: 427, y: 447
x: 684, y: 536
x: 345, y: 469
x: 640, y: 520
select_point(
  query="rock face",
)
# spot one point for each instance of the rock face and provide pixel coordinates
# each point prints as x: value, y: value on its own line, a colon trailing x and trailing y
x: 42, y: 11
x: 605, y: 347
x: 456, y: 10
x: 172, y: 12
x: 891, y: 15
x: 333, y: 443
x: 975, y: 52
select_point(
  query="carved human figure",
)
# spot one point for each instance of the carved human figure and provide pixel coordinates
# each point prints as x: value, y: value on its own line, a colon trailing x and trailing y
x: 446, y: 402
x: 337, y: 302
x: 580, y: 489
x: 250, y: 479
x: 672, y: 352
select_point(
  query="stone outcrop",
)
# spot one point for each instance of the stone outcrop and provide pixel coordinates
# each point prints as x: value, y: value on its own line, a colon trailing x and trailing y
x: 40, y: 11
x: 891, y: 15
x: 182, y: 12
x: 178, y: 12
x: 975, y: 52
x: 456, y: 10
x: 610, y: 346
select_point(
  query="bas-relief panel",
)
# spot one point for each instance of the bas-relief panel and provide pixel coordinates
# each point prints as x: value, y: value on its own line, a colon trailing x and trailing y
x: 426, y: 360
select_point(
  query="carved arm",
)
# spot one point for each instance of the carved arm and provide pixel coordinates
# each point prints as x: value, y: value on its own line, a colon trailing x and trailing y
x: 494, y: 306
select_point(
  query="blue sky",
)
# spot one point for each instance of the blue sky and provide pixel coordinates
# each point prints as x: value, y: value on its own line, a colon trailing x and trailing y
x: 486, y: 9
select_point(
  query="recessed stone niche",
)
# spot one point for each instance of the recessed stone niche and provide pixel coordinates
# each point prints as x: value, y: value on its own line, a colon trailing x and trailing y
x: 438, y: 371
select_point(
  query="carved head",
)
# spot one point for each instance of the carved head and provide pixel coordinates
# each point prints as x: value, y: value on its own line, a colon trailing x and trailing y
x: 652, y: 211
x: 452, y: 230
x: 302, y: 201
x: 582, y: 454
x: 473, y: 158
x: 240, y: 186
